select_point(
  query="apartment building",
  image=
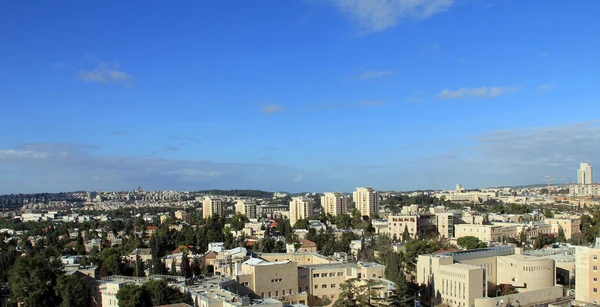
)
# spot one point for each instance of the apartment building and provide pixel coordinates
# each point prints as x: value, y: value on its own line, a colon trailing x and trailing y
x: 278, y: 280
x: 212, y: 205
x: 366, y: 200
x: 584, y: 174
x: 487, y: 233
x: 323, y: 281
x: 587, y: 274
x: 300, y: 208
x: 445, y: 223
x: 416, y: 224
x: 183, y: 216
x: 334, y: 203
x: 471, y: 278
x: 571, y: 226
x: 246, y: 207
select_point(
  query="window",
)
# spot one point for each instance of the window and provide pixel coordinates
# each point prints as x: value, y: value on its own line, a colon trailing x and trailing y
x: 324, y: 275
x: 595, y: 268
x: 595, y: 257
x: 316, y: 286
x: 269, y: 294
x: 331, y: 274
x: 323, y: 286
x: 283, y: 292
x: 595, y: 279
x: 332, y: 285
x: 277, y: 293
x: 315, y: 275
x: 340, y: 273
x: 595, y: 290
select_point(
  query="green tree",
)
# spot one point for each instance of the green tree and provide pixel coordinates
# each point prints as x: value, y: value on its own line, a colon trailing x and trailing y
x: 134, y: 296
x: 80, y: 245
x: 33, y: 277
x: 405, y: 234
x: 342, y: 221
x: 139, y: 267
x: 163, y: 294
x: 74, y: 291
x: 470, y: 242
x: 185, y: 267
x: 301, y: 224
x: 561, y: 235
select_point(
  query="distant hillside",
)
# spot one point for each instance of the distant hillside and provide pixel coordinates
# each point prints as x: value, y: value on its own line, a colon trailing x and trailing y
x: 239, y: 193
x: 530, y: 186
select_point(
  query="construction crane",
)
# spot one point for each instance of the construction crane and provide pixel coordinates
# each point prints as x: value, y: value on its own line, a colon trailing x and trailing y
x: 549, y: 180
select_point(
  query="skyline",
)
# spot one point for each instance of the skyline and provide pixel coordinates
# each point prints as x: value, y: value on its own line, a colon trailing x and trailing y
x: 296, y: 95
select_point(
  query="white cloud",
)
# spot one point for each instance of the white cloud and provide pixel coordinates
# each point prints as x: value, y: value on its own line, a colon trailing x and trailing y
x: 484, y: 92
x: 545, y: 87
x: 379, y: 15
x: 375, y: 74
x: 270, y: 109
x: 38, y: 166
x: 105, y: 73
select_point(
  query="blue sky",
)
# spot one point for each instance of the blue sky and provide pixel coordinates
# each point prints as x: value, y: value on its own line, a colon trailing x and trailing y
x: 298, y: 95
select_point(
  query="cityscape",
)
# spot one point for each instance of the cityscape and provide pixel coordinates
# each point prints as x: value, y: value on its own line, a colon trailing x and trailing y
x: 526, y: 246
x: 299, y: 153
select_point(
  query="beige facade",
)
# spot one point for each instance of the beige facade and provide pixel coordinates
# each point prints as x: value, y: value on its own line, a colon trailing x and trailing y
x: 323, y: 282
x: 445, y: 224
x: 212, y: 206
x: 183, y: 216
x: 416, y: 224
x: 569, y: 225
x: 246, y: 207
x: 278, y: 280
x: 366, y: 200
x: 487, y: 233
x: 464, y: 278
x: 300, y: 208
x: 587, y: 275
x: 526, y: 273
x: 334, y: 204
x: 299, y: 258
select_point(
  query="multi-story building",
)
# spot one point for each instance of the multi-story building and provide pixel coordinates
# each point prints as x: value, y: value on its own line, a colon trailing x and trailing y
x: 278, y: 280
x: 445, y: 223
x: 183, y: 216
x: 587, y: 275
x: 487, y: 233
x: 584, y: 189
x: 300, y: 208
x: 366, y: 200
x: 246, y: 207
x: 569, y: 226
x: 334, y: 204
x: 584, y: 173
x: 212, y: 206
x: 473, y: 278
x: 323, y: 281
x: 415, y: 224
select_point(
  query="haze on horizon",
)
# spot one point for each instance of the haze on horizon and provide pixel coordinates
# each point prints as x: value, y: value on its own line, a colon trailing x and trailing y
x: 296, y: 95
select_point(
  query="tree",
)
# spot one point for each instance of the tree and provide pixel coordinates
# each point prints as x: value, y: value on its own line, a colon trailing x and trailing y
x: 33, y: 277
x: 470, y: 242
x: 186, y: 269
x: 80, y: 245
x: 198, y: 267
x: 405, y: 234
x: 561, y: 235
x: 357, y: 293
x: 74, y: 291
x: 163, y: 294
x: 342, y: 221
x: 301, y: 224
x: 134, y: 296
x: 139, y: 266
